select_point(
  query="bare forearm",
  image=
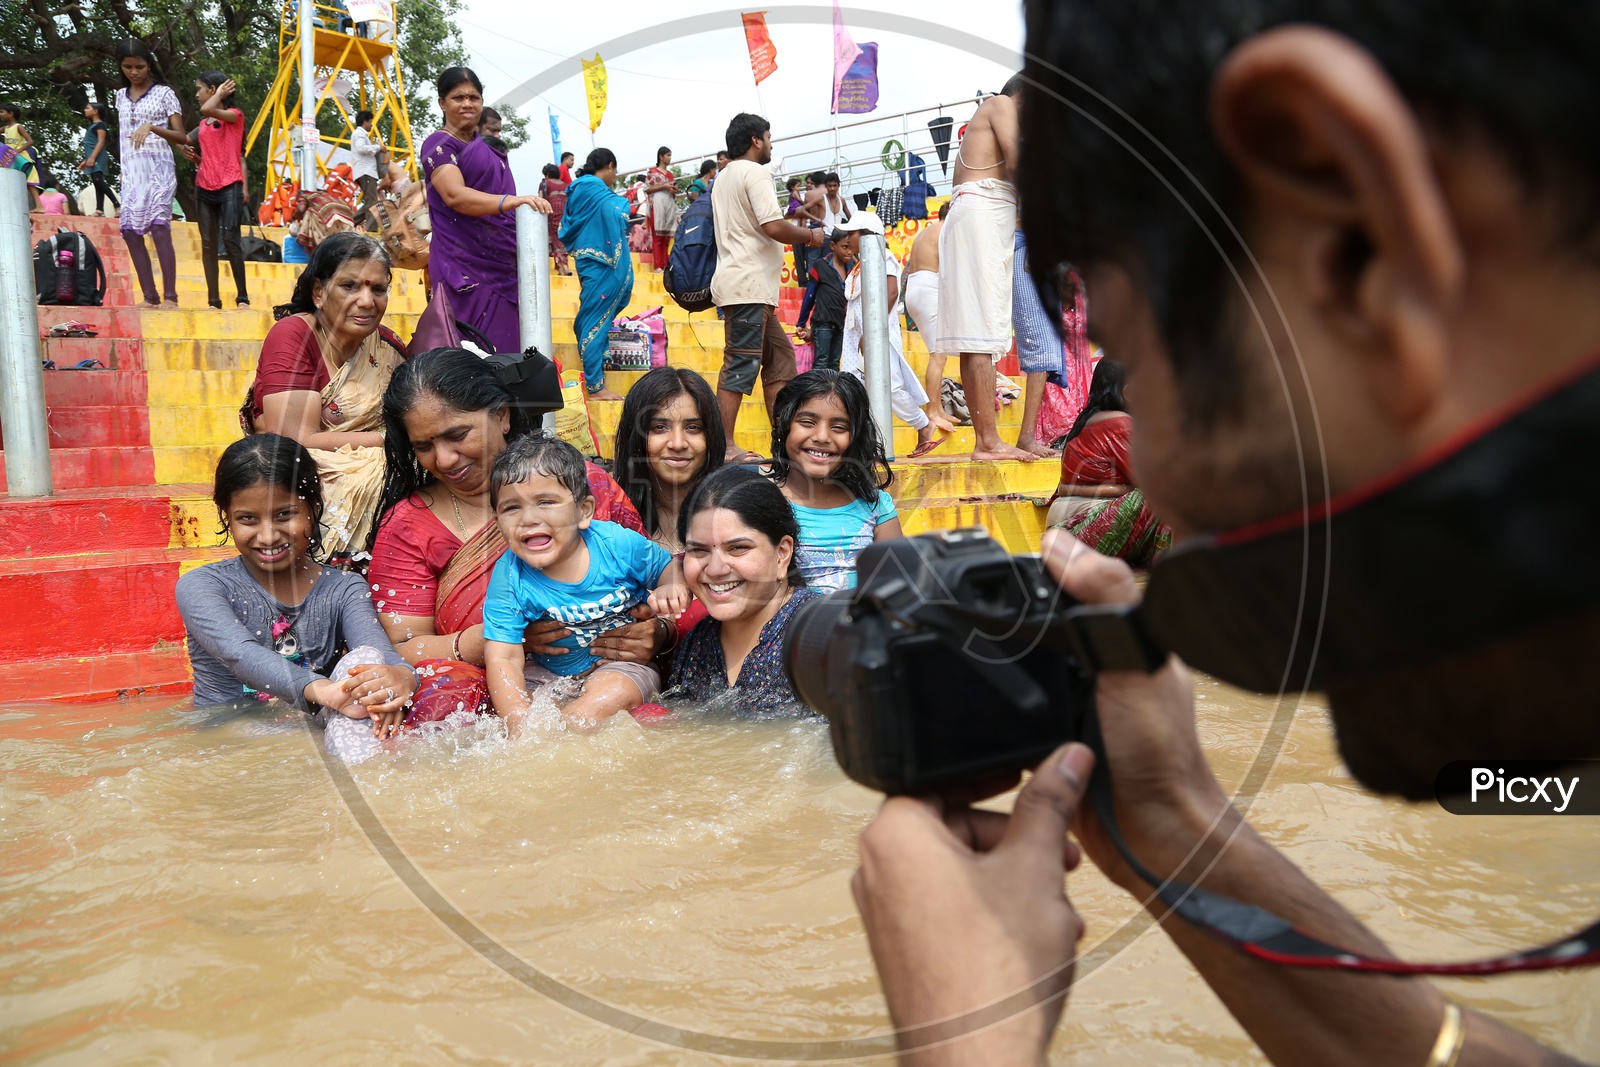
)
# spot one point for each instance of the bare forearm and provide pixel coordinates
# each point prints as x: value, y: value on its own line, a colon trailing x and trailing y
x: 787, y: 233
x: 503, y: 668
x: 472, y: 202
x: 464, y: 645
x: 329, y: 441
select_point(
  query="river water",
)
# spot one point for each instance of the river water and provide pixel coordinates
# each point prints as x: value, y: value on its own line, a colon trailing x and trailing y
x: 179, y: 895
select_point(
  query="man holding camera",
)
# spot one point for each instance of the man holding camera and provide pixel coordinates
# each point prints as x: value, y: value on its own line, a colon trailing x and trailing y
x: 1406, y: 198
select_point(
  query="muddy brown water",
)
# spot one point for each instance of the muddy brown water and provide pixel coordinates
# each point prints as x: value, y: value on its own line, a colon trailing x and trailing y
x: 179, y: 895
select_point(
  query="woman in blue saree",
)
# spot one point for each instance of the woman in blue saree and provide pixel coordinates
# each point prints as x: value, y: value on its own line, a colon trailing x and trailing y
x: 595, y: 231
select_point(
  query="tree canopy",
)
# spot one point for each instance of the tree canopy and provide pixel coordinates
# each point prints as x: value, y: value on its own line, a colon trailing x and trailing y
x: 59, y: 57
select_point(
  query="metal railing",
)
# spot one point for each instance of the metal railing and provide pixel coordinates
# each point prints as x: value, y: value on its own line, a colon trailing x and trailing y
x: 22, y: 410
x: 533, y: 286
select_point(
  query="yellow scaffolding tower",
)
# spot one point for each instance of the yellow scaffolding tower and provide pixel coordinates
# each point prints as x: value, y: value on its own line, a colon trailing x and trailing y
x: 335, y: 50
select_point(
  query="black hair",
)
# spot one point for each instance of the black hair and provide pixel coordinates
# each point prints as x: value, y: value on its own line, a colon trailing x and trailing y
x: 269, y: 459
x: 759, y: 504
x: 743, y: 131
x: 1523, y: 76
x: 792, y: 182
x: 16, y: 112
x: 488, y: 114
x: 333, y: 252
x: 455, y: 376
x: 361, y: 116
x: 863, y: 469
x: 662, y: 151
x: 1105, y: 394
x: 598, y: 160
x: 564, y: 155
x: 818, y: 177
x: 831, y: 176
x: 552, y: 172
x: 649, y: 395
x: 133, y: 48
x: 539, y: 453
x: 707, y: 166
x: 211, y: 79
x: 944, y: 209
x: 1013, y: 85
x: 99, y: 109
x: 451, y: 77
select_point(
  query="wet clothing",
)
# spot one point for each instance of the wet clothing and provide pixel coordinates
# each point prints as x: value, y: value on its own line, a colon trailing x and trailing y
x: 832, y: 538
x: 700, y: 670
x: 245, y: 644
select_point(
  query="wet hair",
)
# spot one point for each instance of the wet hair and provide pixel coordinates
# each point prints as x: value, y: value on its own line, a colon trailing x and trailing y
x: 455, y: 376
x: 1105, y: 394
x: 651, y: 393
x: 832, y: 177
x: 944, y: 209
x: 598, y: 160
x: 361, y: 116
x: 213, y: 79
x: 743, y: 131
x: 269, y: 459
x: 662, y: 151
x: 792, y: 182
x: 863, y: 469
x: 539, y: 453
x: 707, y: 166
x: 552, y: 172
x: 759, y: 504
x: 1521, y: 76
x: 451, y: 77
x: 1013, y: 85
x: 133, y: 48
x: 489, y: 114
x: 333, y: 252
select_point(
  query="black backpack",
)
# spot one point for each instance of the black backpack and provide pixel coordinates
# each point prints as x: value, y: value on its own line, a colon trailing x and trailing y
x: 89, y: 274
x: 693, y: 261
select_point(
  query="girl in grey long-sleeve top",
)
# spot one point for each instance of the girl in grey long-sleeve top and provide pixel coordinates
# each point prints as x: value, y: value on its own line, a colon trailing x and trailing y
x: 273, y: 622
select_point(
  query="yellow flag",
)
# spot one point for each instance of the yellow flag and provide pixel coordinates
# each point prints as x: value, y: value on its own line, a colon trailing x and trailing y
x: 594, y: 83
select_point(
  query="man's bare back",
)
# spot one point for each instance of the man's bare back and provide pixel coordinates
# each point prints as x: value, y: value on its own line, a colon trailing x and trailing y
x: 989, y: 148
x: 925, y: 249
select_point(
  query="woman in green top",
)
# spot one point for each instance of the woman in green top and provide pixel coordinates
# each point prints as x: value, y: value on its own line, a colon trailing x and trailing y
x: 96, y: 162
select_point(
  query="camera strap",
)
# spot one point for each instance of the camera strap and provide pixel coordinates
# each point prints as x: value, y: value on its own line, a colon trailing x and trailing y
x: 1259, y: 933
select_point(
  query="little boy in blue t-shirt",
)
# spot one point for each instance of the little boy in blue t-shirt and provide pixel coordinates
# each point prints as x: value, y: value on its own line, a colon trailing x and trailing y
x: 564, y: 565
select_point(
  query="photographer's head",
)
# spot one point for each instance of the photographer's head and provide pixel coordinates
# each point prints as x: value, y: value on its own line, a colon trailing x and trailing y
x: 739, y: 536
x: 1407, y: 234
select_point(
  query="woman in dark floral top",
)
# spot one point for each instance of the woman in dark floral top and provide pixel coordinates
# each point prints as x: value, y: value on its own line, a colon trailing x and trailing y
x: 739, y: 534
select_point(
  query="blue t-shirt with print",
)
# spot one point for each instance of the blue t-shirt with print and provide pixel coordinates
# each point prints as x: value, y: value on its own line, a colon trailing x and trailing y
x: 832, y: 538
x: 623, y: 567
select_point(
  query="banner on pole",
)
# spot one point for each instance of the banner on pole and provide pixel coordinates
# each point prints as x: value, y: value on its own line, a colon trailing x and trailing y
x: 594, y: 85
x: 555, y: 135
x: 370, y: 10
x: 763, y: 53
x: 844, y: 52
x: 858, y: 89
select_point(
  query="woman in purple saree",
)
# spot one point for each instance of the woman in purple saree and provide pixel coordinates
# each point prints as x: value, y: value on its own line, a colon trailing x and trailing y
x: 471, y: 199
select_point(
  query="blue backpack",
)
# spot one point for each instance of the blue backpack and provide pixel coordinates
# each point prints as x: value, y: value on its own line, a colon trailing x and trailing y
x: 693, y: 261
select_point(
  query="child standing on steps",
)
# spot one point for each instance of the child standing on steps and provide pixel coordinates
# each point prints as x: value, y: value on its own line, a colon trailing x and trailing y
x: 272, y: 622
x: 151, y: 122
x: 565, y: 565
x: 828, y: 461
x: 96, y: 162
x: 219, y: 183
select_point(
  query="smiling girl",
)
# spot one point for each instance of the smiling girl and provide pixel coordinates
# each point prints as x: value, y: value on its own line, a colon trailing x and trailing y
x: 828, y: 462
x: 273, y: 622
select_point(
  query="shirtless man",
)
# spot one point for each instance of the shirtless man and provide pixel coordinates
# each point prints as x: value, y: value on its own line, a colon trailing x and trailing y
x: 823, y: 202
x: 922, y: 302
x: 975, y: 261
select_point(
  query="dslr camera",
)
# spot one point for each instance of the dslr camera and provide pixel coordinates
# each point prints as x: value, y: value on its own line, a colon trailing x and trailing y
x: 952, y: 660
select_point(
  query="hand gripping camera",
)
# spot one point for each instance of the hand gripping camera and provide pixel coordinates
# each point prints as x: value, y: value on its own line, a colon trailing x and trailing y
x: 952, y: 660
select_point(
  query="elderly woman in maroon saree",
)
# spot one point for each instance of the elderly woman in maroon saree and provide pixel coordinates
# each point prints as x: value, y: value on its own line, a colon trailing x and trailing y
x: 1097, y: 501
x: 447, y: 417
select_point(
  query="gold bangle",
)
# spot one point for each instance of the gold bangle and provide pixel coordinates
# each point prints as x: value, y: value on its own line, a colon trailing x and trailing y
x: 1452, y: 1036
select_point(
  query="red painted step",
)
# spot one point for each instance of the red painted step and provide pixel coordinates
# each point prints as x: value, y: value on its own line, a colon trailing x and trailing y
x: 99, y: 427
x: 91, y: 468
x: 106, y: 321
x: 117, y: 675
x: 103, y: 603
x: 71, y: 523
x: 95, y: 388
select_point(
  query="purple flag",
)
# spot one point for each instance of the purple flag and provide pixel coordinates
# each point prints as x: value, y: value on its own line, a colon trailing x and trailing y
x: 858, y: 91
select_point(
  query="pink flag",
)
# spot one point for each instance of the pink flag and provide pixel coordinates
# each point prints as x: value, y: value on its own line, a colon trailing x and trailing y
x: 844, y: 53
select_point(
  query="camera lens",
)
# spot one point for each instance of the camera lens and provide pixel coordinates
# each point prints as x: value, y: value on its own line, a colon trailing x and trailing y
x: 805, y: 648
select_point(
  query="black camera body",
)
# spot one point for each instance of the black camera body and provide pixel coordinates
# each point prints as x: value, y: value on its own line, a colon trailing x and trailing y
x: 952, y: 660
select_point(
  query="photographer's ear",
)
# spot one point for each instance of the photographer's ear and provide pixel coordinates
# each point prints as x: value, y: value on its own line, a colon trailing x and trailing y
x: 1345, y: 206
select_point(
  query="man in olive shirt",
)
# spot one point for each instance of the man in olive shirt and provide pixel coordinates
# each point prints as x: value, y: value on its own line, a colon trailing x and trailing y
x: 751, y: 233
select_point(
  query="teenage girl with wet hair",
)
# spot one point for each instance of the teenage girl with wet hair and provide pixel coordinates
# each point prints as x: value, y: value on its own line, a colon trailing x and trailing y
x: 273, y: 622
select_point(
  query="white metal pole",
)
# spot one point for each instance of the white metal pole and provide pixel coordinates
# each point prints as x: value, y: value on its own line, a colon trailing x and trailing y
x: 22, y: 411
x: 875, y: 336
x: 309, y: 137
x: 533, y: 286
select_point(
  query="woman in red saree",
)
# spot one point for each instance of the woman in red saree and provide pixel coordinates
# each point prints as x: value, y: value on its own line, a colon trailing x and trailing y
x: 1097, y: 501
x: 661, y: 190
x: 447, y: 418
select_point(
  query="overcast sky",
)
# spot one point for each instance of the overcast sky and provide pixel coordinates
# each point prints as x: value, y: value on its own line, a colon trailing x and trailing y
x: 682, y: 92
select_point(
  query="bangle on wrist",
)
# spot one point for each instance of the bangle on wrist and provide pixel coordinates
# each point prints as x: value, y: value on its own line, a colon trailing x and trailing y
x: 1452, y: 1036
x: 502, y: 210
x: 455, y: 645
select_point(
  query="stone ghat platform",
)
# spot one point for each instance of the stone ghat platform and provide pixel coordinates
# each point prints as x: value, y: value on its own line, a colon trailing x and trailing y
x: 87, y: 575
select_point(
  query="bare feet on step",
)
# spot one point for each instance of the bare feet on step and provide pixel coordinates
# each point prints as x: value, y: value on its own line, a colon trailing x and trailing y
x: 1029, y: 444
x: 1003, y: 451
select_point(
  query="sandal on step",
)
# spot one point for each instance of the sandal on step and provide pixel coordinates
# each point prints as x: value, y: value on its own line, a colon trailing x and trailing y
x: 924, y: 447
